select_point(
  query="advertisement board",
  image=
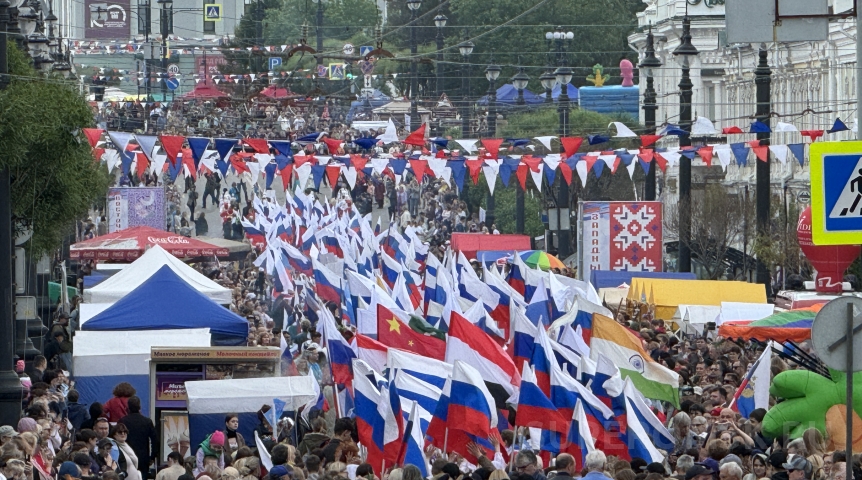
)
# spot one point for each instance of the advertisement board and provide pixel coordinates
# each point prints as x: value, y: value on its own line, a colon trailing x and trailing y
x: 175, y: 434
x: 621, y: 236
x: 135, y: 207
x: 171, y: 388
x: 107, y: 19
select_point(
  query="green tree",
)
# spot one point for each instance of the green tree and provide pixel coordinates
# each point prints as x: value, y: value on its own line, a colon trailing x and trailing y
x: 54, y: 178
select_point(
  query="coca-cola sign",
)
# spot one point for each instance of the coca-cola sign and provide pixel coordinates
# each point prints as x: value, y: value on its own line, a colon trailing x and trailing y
x: 173, y: 240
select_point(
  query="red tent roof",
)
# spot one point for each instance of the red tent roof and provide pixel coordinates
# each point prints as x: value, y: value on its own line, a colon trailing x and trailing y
x: 274, y: 92
x: 205, y: 91
x: 131, y: 243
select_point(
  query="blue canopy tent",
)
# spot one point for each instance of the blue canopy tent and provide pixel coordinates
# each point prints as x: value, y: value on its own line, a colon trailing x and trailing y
x: 166, y: 302
x: 612, y: 278
x: 378, y: 99
x: 555, y: 93
x: 508, y: 95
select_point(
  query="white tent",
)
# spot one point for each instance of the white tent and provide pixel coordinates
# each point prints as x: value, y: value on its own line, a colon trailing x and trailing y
x: 249, y: 394
x: 143, y: 268
x: 738, y: 311
x: 692, y: 318
x: 103, y: 359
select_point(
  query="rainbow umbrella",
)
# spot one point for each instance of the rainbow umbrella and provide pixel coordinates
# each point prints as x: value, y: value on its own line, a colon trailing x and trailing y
x: 792, y: 325
x: 540, y: 259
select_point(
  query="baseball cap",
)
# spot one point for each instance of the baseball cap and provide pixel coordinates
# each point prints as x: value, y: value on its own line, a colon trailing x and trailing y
x: 8, y: 431
x: 655, y: 467
x: 312, y: 347
x: 730, y: 458
x: 278, y: 471
x: 797, y: 462
x: 696, y: 470
x: 70, y: 469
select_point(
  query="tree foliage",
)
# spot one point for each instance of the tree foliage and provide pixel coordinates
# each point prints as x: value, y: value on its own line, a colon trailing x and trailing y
x: 719, y: 223
x: 54, y: 178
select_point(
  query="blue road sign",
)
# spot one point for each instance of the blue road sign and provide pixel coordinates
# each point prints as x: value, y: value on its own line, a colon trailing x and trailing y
x: 172, y: 83
x: 363, y: 51
x: 836, y: 193
x: 274, y: 62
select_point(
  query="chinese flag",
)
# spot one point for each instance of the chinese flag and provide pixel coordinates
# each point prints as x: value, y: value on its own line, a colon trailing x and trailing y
x: 393, y: 332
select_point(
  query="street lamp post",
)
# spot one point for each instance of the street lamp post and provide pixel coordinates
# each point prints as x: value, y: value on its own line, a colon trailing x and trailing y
x: 492, y: 73
x: 548, y: 80
x: 763, y: 86
x: 520, y: 82
x: 685, y: 52
x: 414, y: 5
x: 563, y: 75
x: 166, y: 23
x: 465, y: 48
x: 440, y: 22
x: 647, y: 68
x: 319, y: 33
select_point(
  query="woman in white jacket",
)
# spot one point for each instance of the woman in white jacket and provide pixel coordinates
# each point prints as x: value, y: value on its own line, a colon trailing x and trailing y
x: 128, y: 461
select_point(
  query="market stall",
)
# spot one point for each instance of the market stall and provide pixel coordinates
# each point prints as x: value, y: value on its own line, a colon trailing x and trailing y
x: 101, y: 360
x: 166, y: 302
x: 209, y: 401
x: 668, y: 295
x: 131, y: 243
x: 132, y: 276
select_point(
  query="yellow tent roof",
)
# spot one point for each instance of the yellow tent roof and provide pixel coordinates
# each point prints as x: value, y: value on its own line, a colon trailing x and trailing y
x: 668, y: 294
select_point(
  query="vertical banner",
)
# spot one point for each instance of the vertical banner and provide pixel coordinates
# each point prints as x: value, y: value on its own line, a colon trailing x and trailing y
x: 136, y: 206
x: 621, y: 236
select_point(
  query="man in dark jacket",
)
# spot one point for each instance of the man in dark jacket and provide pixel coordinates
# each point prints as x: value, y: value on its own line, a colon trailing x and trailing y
x: 78, y: 412
x: 142, y: 436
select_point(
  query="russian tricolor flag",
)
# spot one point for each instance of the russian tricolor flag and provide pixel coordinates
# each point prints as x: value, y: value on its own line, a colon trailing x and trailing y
x: 539, y: 308
x: 468, y: 343
x: 580, y: 441
x: 516, y: 274
x: 297, y: 260
x: 523, y: 336
x: 542, y: 362
x: 340, y: 354
x: 389, y: 409
x: 535, y: 409
x: 414, y: 443
x: 254, y: 233
x: 369, y: 422
x: 584, y: 317
x: 389, y: 269
x: 370, y: 351
x: 471, y: 406
x: 327, y: 283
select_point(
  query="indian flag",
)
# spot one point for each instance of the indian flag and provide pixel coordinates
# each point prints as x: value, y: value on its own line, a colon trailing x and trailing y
x: 625, y: 350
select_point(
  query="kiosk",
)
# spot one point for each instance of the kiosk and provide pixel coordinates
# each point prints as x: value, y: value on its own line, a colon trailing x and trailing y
x: 170, y: 368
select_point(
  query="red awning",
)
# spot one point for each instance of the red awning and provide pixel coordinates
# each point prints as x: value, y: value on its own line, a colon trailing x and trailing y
x: 131, y: 243
x: 275, y: 93
x: 205, y: 91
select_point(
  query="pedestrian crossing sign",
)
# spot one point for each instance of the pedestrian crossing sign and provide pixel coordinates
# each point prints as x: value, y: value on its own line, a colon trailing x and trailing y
x: 212, y: 12
x: 836, y: 193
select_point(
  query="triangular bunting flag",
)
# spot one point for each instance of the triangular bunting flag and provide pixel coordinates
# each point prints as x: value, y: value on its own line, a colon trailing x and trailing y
x: 571, y: 145
x: 93, y: 135
x: 147, y: 143
x: 416, y: 138
x: 224, y: 146
x: 798, y: 151
x: 120, y: 139
x: 492, y: 145
x: 780, y: 152
x: 706, y: 155
x: 198, y: 145
x: 172, y: 145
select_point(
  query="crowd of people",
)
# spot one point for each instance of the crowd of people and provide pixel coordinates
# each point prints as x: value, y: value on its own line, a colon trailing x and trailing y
x: 259, y: 117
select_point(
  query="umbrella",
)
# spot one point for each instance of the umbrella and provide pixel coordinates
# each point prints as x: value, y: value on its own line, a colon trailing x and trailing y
x: 131, y: 243
x: 792, y: 325
x: 540, y: 259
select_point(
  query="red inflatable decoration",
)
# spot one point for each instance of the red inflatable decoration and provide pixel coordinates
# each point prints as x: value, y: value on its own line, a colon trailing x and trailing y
x: 829, y: 261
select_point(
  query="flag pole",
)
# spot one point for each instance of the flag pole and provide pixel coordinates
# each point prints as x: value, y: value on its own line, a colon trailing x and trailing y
x: 445, y: 441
